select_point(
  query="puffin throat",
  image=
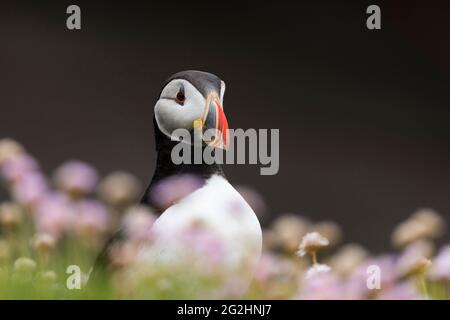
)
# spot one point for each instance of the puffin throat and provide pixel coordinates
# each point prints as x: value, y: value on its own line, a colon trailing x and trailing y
x: 165, y: 167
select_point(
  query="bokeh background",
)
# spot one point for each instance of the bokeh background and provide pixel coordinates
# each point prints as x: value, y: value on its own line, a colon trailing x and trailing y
x: 363, y: 115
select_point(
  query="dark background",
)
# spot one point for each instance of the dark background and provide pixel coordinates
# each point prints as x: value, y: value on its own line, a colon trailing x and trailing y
x: 363, y: 115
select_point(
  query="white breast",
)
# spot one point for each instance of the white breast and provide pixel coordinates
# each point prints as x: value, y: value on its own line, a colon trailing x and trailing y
x: 218, y: 208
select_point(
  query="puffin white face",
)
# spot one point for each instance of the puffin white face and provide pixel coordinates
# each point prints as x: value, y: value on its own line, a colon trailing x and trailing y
x: 180, y: 105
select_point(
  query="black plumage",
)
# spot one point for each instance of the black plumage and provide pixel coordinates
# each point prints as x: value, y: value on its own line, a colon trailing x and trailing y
x: 204, y: 82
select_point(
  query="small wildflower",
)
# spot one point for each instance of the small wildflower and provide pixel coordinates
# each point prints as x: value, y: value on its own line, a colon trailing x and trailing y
x: 92, y: 219
x: 9, y: 149
x: 16, y: 168
x: 10, y: 215
x: 408, y: 232
x: 388, y: 268
x: 320, y: 284
x: 414, y: 260
x: 432, y: 220
x: 120, y: 189
x: 44, y: 242
x: 288, y: 231
x: 138, y: 222
x: 311, y: 243
x: 76, y: 178
x: 55, y: 214
x: 329, y: 230
x: 347, y: 259
x: 24, y: 265
x: 317, y: 269
x: 30, y: 190
x: 266, y: 266
x: 424, y: 224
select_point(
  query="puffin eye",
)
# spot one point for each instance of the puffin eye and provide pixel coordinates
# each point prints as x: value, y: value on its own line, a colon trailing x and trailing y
x: 180, y: 98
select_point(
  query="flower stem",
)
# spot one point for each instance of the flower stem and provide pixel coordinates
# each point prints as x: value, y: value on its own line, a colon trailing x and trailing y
x: 423, y: 284
x: 314, y: 257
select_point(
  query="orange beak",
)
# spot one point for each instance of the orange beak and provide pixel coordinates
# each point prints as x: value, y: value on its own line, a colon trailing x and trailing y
x: 215, y: 119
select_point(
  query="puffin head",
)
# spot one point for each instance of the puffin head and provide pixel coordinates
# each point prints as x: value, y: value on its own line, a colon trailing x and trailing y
x: 192, y: 100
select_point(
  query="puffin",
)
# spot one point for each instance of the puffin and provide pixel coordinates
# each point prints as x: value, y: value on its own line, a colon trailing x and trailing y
x: 193, y: 100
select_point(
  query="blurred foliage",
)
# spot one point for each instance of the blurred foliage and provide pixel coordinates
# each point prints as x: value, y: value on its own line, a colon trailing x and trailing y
x: 51, y: 224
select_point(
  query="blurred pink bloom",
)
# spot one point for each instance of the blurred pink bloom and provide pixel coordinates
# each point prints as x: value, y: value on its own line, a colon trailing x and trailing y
x: 172, y: 189
x: 387, y: 265
x: 138, y: 222
x: 356, y: 285
x: 55, y: 214
x: 414, y: 259
x: 321, y: 286
x: 203, y: 243
x: 14, y: 169
x: 440, y: 269
x: 267, y: 265
x: 355, y: 288
x: 93, y: 217
x: 30, y: 189
x: 401, y: 291
x: 76, y: 177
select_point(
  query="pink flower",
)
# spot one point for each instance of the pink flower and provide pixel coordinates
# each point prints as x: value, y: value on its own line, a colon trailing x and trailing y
x: 76, y: 178
x: 387, y: 265
x: 16, y: 168
x: 31, y: 189
x: 267, y: 265
x: 138, y: 222
x: 440, y: 269
x: 120, y: 189
x: 9, y: 149
x: 93, y: 218
x: 172, y: 189
x: 321, y: 286
x: 55, y: 214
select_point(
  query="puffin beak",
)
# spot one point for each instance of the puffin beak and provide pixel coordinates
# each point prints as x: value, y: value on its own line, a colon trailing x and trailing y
x: 215, y: 119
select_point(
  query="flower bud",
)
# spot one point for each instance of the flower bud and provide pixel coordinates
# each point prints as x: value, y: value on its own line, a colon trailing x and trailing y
x: 329, y: 230
x: 120, y: 189
x: 423, y: 224
x: 414, y: 260
x: 76, y: 178
x: 10, y: 215
x: 347, y: 259
x: 44, y: 242
x: 9, y: 149
x: 288, y: 231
